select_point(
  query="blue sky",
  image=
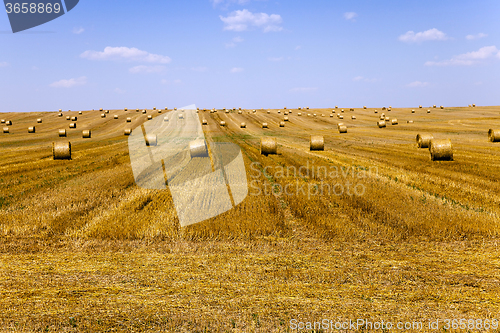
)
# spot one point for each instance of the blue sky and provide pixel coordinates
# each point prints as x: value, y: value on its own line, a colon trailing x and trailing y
x: 253, y: 54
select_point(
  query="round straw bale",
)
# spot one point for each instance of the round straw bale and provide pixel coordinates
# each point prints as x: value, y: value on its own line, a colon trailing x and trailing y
x: 336, y: 107
x: 72, y: 125
x: 341, y: 117
x: 290, y: 111
x: 299, y: 114
x: 423, y: 140
x: 159, y: 111
x: 351, y: 109
x: 420, y: 106
x: 389, y: 109
x: 167, y: 109
x: 154, y: 107
x: 284, y: 108
x: 340, y: 124
x: 282, y: 124
x: 6, y: 130
x: 150, y: 117
x: 129, y: 120
x: 353, y: 117
x: 175, y: 108
x: 285, y: 118
x: 307, y: 107
x: 331, y: 115
x: 300, y: 108
x: 198, y: 148
x: 364, y: 107
x: 428, y: 111
x: 127, y: 131
x: 264, y: 125
x: 243, y: 125
x: 381, y: 123
x: 240, y: 112
x: 309, y: 115
x: 342, y: 110
x: 268, y: 111
x: 382, y: 116
x: 136, y: 110
x: 441, y: 150
x: 204, y: 122
x: 60, y: 110
x: 61, y: 150
x: 80, y: 112
x: 387, y: 119
x: 62, y: 133
x: 442, y: 107
x: 99, y: 109
x: 494, y: 135
x: 409, y: 121
x: 115, y: 116
x: 317, y: 142
x: 151, y: 140
x: 8, y: 123
x: 279, y: 111
x: 268, y: 146
x: 59, y: 114
x: 2, y: 121
x: 322, y: 115
x: 86, y: 134
x: 434, y: 106
x: 68, y: 118
x: 103, y: 115
x: 107, y: 111
x: 285, y: 113
x: 383, y: 108
x: 394, y: 121
x: 227, y: 111
x: 181, y: 116
x: 254, y: 111
x: 469, y: 105
x: 125, y: 109
x: 223, y: 123
x: 473, y: 105
x: 412, y: 111
x: 342, y: 129
x: 239, y: 108
x: 31, y: 129
x: 144, y: 111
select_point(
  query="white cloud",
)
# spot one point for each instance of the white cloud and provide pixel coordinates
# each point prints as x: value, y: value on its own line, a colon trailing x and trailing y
x: 350, y: 16
x: 119, y: 91
x: 236, y: 70
x: 303, y: 89
x: 4, y: 64
x: 69, y: 83
x: 78, y: 30
x: 234, y: 41
x: 431, y: 34
x: 417, y: 84
x: 275, y: 59
x: 125, y: 53
x: 478, y: 36
x: 147, y: 69
x: 199, y: 69
x: 470, y: 58
x: 242, y: 20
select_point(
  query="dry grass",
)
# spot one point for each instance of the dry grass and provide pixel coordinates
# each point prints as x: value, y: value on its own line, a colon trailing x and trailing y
x: 84, y: 249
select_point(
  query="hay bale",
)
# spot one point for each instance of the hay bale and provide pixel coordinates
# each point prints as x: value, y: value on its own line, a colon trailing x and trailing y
x: 307, y: 107
x: 144, y: 112
x: 6, y: 130
x: 428, y: 111
x: 2, y: 121
x: 268, y: 146
x: 389, y: 109
x: 494, y: 135
x: 243, y: 125
x: 300, y: 108
x: 394, y: 121
x: 127, y: 131
x: 99, y: 109
x: 150, y: 117
x: 409, y: 121
x: 107, y: 111
x: 424, y: 140
x: 317, y: 142
x: 340, y: 124
x: 203, y: 122
x: 68, y: 118
x: 129, y: 120
x: 60, y: 110
x: 151, y: 140
x: 382, y: 117
x: 383, y: 108
x: 239, y: 108
x: 268, y: 111
x: 284, y: 108
x: 59, y: 114
x: 290, y: 111
x: 254, y: 111
x: 86, y: 134
x: 136, y: 110
x: 198, y: 148
x: 434, y: 106
x: 154, y: 107
x: 375, y: 111
x: 299, y: 114
x: 61, y: 150
x: 285, y: 118
x: 176, y: 109
x: 342, y: 128
x: 264, y: 125
x: 123, y: 109
x: 31, y: 129
x: 103, y: 115
x: 72, y: 125
x: 62, y: 133
x: 240, y: 112
x: 282, y: 124
x: 364, y: 107
x: 442, y: 107
x: 353, y: 117
x: 159, y: 111
x: 420, y: 106
x: 351, y: 109
x: 331, y: 115
x: 412, y: 111
x: 223, y: 123
x: 227, y: 111
x: 279, y: 111
x: 80, y: 112
x: 285, y: 113
x: 441, y: 150
x: 322, y: 115
x: 180, y: 116
x: 341, y: 117
x: 473, y: 105
x: 381, y: 123
x: 387, y: 119
x: 469, y: 105
x: 115, y: 116
x: 167, y: 109
x: 342, y: 110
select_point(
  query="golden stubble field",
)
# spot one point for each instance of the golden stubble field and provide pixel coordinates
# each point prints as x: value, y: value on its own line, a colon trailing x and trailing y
x: 84, y: 249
